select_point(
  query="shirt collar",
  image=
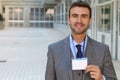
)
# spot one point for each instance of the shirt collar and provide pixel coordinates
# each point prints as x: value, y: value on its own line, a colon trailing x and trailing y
x: 75, y: 43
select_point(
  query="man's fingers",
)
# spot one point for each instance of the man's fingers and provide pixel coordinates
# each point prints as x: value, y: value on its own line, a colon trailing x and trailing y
x: 93, y: 75
x: 92, y: 68
x: 94, y: 72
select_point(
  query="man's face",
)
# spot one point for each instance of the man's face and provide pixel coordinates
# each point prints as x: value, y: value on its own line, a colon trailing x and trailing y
x: 79, y: 19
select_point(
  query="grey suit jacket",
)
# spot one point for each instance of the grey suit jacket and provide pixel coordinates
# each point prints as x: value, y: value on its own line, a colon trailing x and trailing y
x: 59, y: 60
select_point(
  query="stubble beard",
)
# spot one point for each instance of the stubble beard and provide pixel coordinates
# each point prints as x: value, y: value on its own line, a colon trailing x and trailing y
x: 80, y: 32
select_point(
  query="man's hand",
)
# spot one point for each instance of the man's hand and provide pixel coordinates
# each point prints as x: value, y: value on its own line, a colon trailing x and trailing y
x: 94, y: 71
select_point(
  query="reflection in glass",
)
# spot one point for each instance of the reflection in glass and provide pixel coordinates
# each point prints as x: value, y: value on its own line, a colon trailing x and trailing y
x: 66, y: 11
x: 38, y: 16
x: 16, y: 11
x: 88, y: 1
x: 10, y: 13
x: 32, y: 14
x: 42, y: 13
x: 15, y: 14
x: 37, y: 13
x: 21, y: 14
x: 102, y: 1
x: 104, y: 13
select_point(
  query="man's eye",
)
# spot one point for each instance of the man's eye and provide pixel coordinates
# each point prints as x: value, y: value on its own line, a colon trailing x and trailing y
x: 74, y: 15
x: 85, y: 16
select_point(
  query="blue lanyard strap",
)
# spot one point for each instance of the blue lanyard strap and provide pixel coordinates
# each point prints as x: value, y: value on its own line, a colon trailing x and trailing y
x: 83, y: 51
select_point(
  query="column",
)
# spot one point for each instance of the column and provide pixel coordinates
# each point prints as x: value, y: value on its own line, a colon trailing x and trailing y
x: 6, y: 16
x: 26, y: 16
x: 115, y: 31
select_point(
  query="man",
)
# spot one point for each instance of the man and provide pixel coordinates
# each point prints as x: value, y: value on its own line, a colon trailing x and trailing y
x: 61, y: 54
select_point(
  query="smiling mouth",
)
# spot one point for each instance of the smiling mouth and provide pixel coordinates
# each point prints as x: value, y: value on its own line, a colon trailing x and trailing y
x: 79, y: 24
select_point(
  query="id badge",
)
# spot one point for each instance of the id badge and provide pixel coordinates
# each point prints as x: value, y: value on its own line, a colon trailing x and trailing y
x: 79, y: 64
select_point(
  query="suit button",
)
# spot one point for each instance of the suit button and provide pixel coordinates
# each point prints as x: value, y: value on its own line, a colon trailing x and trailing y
x: 79, y: 74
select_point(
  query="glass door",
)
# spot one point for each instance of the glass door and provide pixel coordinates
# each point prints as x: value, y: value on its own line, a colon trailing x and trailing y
x: 105, y: 24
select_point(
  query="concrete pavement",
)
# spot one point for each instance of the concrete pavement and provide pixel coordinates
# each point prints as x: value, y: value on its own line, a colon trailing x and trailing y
x: 23, y: 52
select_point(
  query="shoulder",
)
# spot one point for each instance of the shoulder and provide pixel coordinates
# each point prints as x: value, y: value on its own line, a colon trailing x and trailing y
x: 97, y: 43
x: 58, y: 43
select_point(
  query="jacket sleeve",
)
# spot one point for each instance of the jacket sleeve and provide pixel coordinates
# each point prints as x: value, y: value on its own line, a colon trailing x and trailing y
x: 108, y: 69
x: 50, y: 68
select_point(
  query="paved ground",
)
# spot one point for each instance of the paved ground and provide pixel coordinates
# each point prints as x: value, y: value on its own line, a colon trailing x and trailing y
x: 23, y: 53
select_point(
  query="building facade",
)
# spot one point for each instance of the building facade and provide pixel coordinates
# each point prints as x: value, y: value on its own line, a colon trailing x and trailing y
x: 105, y: 25
x: 25, y: 13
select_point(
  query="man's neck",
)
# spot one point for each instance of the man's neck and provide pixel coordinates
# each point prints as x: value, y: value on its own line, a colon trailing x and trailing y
x: 79, y: 37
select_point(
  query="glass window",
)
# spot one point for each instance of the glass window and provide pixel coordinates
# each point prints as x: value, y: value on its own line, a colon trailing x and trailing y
x: 54, y: 17
x: 42, y: 13
x: 62, y: 13
x: 119, y: 21
x: 105, y: 11
x: 15, y: 13
x: 21, y: 14
x: 37, y: 13
x: 88, y: 1
x: 101, y: 1
x: 10, y: 13
x: 105, y: 19
x: 18, y: 12
x: 32, y: 14
x: 66, y: 11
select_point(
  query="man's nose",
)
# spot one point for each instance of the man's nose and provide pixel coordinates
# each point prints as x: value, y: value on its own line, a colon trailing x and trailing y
x: 79, y: 19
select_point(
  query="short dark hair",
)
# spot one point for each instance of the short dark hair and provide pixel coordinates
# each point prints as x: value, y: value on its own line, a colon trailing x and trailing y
x: 80, y: 4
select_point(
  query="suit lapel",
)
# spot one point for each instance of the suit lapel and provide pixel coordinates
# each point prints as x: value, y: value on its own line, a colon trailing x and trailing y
x: 67, y: 54
x: 90, y: 51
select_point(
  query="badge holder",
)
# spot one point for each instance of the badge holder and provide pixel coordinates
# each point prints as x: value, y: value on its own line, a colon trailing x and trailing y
x: 79, y: 64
